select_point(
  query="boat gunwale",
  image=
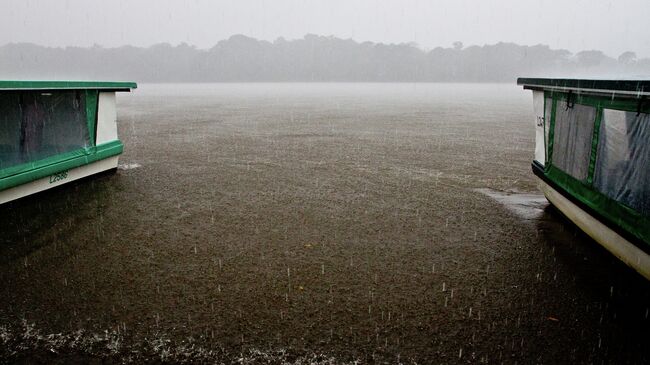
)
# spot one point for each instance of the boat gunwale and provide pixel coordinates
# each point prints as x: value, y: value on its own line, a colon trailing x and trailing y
x: 538, y: 170
x: 62, y: 162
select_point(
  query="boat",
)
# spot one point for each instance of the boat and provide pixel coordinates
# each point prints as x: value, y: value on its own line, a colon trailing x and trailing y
x: 592, y: 159
x: 55, y: 132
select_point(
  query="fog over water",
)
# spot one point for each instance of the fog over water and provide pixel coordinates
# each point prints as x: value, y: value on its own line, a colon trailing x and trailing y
x: 331, y: 41
x: 610, y: 26
x: 313, y: 59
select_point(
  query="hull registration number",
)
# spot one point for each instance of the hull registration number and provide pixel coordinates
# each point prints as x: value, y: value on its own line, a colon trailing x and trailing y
x: 58, y: 176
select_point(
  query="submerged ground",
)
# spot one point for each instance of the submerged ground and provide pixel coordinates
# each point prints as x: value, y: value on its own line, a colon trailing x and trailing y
x: 314, y: 223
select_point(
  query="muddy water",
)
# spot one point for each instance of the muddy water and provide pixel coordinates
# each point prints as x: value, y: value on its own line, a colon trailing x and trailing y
x: 314, y: 223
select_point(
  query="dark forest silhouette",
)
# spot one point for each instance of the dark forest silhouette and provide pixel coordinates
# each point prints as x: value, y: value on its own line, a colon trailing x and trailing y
x: 313, y: 58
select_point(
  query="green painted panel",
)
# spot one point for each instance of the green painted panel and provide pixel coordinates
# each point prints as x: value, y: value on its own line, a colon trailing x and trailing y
x: 614, y: 102
x: 33, y: 171
x: 551, y: 133
x: 639, y: 87
x: 594, y: 146
x: 92, y: 102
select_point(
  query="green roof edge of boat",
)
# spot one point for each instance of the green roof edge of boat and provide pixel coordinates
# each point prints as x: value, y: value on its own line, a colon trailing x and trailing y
x: 67, y: 85
x: 640, y: 87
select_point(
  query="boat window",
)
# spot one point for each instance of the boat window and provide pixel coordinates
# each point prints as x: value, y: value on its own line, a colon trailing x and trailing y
x: 37, y: 125
x: 622, y: 170
x: 572, y: 136
x: 9, y: 129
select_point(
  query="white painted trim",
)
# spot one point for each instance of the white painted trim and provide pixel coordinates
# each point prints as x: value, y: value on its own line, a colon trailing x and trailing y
x: 106, y: 118
x: 612, y: 241
x: 44, y: 183
x: 538, y: 109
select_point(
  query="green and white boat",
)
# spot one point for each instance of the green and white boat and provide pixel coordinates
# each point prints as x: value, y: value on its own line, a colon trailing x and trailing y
x: 592, y: 159
x: 53, y: 132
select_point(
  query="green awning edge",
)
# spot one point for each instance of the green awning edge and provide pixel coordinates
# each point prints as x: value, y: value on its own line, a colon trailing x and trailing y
x: 637, y: 88
x: 67, y: 85
x: 59, y: 163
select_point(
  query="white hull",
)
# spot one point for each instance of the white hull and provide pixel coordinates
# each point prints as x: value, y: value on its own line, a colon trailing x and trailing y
x: 612, y: 241
x: 49, y: 182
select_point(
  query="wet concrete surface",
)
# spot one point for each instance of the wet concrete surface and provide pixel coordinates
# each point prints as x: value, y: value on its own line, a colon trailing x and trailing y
x: 314, y: 223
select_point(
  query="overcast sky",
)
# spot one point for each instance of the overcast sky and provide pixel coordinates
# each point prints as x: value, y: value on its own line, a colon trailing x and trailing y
x: 607, y: 25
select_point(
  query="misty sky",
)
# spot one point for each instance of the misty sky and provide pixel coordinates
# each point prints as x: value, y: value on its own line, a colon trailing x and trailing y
x: 607, y: 25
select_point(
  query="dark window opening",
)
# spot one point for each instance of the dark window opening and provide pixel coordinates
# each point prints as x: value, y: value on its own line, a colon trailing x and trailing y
x: 38, y: 125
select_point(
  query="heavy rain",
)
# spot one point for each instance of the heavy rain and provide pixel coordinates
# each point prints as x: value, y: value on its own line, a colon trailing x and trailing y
x: 341, y: 213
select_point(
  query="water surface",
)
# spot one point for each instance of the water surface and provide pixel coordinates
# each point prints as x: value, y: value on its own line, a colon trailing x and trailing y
x: 314, y: 223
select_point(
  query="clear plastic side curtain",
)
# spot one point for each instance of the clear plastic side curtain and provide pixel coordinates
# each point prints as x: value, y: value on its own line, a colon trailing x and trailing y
x: 574, y: 125
x: 36, y: 125
x: 622, y: 170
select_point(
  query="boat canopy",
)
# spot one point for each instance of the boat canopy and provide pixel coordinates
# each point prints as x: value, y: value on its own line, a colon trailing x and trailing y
x: 596, y: 146
x: 45, y: 125
x: 638, y: 88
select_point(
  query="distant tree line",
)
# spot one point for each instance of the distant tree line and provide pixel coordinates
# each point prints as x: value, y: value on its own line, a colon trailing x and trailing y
x: 313, y: 58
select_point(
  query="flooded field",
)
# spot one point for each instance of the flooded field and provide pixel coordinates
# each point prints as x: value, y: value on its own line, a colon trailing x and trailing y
x: 314, y: 223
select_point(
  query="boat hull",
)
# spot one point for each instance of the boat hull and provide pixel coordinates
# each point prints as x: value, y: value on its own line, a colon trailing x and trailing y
x: 57, y: 179
x: 618, y: 245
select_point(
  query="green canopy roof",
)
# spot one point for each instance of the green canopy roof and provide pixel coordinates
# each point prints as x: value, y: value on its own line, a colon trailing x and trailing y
x: 638, y: 88
x: 67, y: 85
